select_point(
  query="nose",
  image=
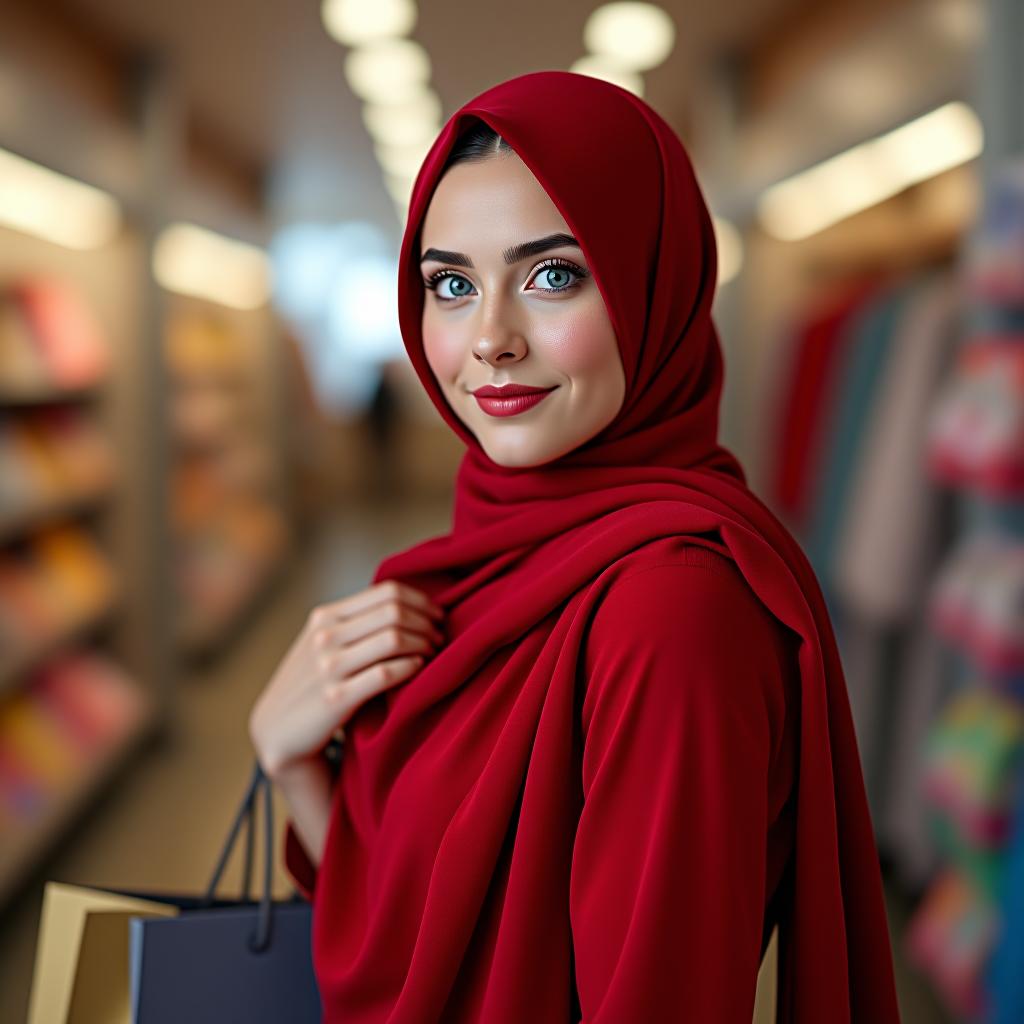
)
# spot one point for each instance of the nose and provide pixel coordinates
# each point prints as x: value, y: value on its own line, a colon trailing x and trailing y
x: 495, y: 342
x: 487, y: 351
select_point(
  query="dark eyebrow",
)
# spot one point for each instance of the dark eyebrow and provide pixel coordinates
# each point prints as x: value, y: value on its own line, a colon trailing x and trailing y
x: 510, y: 256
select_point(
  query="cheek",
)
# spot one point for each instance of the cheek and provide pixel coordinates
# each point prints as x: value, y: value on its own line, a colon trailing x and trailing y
x: 583, y: 345
x: 442, y: 346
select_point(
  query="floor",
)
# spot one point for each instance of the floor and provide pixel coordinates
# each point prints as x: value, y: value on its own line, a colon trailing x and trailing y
x: 151, y: 832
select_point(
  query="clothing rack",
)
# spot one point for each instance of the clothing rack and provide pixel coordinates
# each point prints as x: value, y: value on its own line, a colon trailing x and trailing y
x: 915, y: 530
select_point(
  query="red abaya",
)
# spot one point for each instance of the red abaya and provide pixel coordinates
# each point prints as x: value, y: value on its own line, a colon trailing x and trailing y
x: 634, y: 754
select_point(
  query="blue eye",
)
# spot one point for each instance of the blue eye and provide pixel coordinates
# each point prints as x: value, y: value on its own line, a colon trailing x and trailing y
x: 458, y: 282
x: 562, y: 276
x: 558, y: 272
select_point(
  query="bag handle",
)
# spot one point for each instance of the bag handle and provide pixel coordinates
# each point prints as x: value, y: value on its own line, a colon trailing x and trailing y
x: 260, y: 940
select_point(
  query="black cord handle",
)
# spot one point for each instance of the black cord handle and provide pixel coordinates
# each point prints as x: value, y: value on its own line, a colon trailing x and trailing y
x: 260, y: 940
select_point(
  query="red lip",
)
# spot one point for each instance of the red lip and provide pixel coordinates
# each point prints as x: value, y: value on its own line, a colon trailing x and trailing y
x: 490, y: 391
x: 510, y: 401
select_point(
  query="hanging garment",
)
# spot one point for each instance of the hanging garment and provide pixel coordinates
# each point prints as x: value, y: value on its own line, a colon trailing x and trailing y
x: 806, y: 389
x: 544, y: 821
x: 903, y: 825
x: 886, y: 544
x: 1005, y: 978
x: 890, y: 531
x: 859, y: 373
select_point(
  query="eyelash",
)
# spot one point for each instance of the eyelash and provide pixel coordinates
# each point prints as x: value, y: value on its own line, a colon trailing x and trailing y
x: 434, y: 279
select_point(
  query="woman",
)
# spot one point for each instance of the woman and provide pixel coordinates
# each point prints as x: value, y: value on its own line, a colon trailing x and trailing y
x: 630, y: 754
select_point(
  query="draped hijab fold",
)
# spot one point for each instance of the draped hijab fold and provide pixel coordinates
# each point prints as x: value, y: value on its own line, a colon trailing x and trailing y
x: 460, y: 792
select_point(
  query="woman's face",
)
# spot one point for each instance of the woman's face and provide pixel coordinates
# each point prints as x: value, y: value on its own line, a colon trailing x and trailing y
x: 501, y: 311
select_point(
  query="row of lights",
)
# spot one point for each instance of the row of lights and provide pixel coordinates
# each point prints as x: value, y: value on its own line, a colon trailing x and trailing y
x: 871, y: 172
x: 391, y: 74
x: 195, y: 261
x: 624, y: 39
x: 186, y: 258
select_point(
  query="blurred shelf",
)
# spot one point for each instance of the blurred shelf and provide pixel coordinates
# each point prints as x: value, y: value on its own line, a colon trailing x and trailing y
x: 23, y: 849
x: 205, y: 376
x: 46, y: 514
x: 49, y: 396
x: 203, y: 632
x: 13, y: 672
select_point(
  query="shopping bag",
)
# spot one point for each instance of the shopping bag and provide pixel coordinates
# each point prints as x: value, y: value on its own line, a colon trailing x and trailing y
x: 245, y: 962
x: 81, y: 967
x: 224, y: 959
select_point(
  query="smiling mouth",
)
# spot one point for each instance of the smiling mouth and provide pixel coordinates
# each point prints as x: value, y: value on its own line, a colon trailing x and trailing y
x: 512, y: 405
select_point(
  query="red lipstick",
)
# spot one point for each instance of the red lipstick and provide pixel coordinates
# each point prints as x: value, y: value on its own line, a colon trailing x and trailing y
x: 509, y: 400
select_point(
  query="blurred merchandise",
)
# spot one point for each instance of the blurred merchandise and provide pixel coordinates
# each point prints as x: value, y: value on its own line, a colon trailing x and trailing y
x: 950, y: 937
x: 995, y: 272
x: 978, y: 602
x: 53, y: 584
x: 977, y: 435
x: 229, y: 529
x: 972, y: 764
x: 974, y: 777
x: 49, y: 340
x: 899, y: 464
x: 51, y: 457
x: 61, y: 733
x: 1006, y: 976
x: 68, y: 711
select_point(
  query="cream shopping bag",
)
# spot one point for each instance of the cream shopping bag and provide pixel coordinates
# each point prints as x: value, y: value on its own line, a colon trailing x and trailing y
x: 81, y: 973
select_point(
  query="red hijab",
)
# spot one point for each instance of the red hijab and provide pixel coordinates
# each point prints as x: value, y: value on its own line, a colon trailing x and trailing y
x: 457, y: 803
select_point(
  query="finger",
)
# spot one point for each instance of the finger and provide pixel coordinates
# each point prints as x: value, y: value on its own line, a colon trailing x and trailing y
x: 376, y: 618
x: 359, y: 688
x: 386, y: 590
x: 386, y: 643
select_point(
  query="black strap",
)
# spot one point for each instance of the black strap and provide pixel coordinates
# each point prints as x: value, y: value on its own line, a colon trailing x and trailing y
x: 247, y: 866
x: 260, y: 940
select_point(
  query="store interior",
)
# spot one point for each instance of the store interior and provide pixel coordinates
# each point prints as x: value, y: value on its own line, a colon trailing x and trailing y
x: 208, y: 422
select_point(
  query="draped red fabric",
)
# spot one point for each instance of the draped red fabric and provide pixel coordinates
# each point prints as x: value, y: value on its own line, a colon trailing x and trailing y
x: 455, y: 811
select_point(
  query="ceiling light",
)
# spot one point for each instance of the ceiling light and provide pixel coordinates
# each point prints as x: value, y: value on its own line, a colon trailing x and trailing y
x: 404, y: 161
x: 637, y: 36
x: 194, y: 261
x: 409, y: 122
x: 354, y: 22
x: 730, y: 249
x: 52, y: 206
x: 871, y: 172
x: 387, y: 71
x: 599, y: 67
x: 399, y: 186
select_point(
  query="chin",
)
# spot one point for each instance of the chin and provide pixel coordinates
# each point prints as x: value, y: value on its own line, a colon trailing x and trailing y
x: 520, y: 459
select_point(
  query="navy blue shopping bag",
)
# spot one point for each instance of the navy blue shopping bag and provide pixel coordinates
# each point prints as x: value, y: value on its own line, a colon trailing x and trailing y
x: 223, y: 960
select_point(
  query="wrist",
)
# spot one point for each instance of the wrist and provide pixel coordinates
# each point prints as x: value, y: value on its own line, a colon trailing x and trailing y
x: 297, y: 772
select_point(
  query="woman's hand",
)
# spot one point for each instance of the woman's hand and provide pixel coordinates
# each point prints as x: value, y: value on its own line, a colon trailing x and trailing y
x: 347, y: 652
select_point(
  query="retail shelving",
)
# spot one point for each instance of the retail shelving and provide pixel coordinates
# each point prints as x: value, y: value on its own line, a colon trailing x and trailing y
x: 70, y: 713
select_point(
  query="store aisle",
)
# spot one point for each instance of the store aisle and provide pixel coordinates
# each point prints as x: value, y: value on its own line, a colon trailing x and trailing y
x: 162, y: 823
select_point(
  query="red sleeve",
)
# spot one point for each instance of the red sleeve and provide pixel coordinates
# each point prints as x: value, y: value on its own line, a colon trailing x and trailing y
x: 297, y: 863
x: 684, y: 705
